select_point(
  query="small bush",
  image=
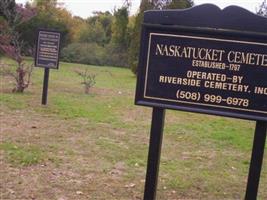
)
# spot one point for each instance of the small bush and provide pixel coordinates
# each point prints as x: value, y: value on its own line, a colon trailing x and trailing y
x: 88, y: 80
x: 21, y: 75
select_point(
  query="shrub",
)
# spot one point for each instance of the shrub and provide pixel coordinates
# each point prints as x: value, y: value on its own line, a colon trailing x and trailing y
x: 86, y: 53
x: 88, y: 80
x: 116, y: 56
x: 94, y: 54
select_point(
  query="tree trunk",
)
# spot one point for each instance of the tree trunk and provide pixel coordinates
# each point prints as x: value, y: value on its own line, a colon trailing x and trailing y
x: 87, y: 89
x: 20, y: 81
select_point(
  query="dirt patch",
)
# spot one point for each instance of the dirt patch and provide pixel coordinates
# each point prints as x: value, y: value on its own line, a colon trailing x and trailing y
x: 73, y: 169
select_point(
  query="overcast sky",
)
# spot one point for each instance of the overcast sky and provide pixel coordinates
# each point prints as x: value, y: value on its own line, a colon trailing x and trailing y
x: 84, y: 8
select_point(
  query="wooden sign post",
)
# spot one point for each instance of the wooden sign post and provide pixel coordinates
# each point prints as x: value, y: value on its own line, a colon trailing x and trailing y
x: 204, y: 60
x: 47, y: 55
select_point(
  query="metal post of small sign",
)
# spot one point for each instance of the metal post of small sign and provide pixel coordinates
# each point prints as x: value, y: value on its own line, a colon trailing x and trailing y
x: 47, y: 55
x: 45, y: 86
x: 256, y: 160
x: 153, y: 162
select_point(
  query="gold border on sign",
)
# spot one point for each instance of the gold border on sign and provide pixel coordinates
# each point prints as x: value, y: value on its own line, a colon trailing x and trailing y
x: 197, y: 38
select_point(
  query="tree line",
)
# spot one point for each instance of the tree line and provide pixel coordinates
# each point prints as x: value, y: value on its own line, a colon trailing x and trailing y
x: 106, y: 38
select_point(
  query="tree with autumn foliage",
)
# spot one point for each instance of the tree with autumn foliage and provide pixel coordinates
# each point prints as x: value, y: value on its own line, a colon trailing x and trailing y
x: 49, y: 15
x: 11, y: 45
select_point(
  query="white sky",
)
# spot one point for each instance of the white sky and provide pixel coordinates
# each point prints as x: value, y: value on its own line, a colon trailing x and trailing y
x: 84, y: 8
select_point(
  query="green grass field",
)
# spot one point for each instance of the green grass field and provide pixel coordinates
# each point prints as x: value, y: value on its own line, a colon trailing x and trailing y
x: 95, y: 146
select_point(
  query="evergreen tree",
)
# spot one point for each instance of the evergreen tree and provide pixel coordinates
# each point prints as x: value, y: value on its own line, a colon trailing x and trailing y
x: 263, y: 9
x: 136, y: 33
x: 174, y: 4
x: 8, y: 11
x: 150, y: 5
x: 119, y: 28
x: 97, y: 29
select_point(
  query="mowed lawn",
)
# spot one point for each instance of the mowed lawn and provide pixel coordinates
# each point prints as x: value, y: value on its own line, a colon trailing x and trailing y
x: 95, y: 146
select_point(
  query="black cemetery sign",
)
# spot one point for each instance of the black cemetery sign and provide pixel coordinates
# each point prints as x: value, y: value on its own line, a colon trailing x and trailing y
x: 47, y: 55
x: 204, y: 60
x: 197, y: 72
x: 47, y: 49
